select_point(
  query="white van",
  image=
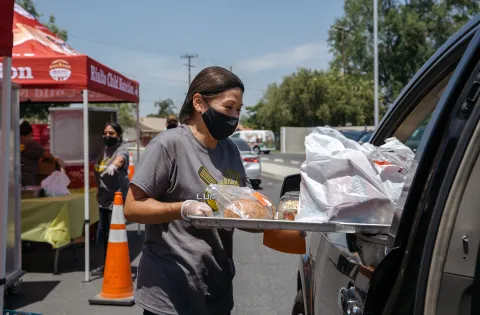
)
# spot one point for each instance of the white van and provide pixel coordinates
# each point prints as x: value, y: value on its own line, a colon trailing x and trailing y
x: 258, y: 140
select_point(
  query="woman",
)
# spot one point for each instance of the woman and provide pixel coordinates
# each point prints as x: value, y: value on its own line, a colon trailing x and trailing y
x: 30, y: 154
x: 185, y: 270
x: 111, y: 174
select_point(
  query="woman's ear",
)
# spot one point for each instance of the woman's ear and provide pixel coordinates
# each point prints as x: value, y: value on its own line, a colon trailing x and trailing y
x: 198, y: 103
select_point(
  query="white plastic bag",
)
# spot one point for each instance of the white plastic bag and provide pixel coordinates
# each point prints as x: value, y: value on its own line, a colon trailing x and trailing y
x: 56, y: 184
x: 344, y: 181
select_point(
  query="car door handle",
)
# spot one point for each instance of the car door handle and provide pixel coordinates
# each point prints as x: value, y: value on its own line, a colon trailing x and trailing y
x: 348, y: 302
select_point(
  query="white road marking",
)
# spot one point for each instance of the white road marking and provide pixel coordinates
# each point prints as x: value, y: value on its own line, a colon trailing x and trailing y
x: 278, y: 160
x: 295, y: 162
x: 264, y: 159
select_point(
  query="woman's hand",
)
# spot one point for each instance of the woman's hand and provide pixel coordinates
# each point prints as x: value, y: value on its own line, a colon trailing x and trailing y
x: 111, y: 169
x: 61, y: 163
x: 195, y: 208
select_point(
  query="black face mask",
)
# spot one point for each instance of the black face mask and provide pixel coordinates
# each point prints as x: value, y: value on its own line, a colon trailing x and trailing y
x: 110, y: 141
x: 219, y: 125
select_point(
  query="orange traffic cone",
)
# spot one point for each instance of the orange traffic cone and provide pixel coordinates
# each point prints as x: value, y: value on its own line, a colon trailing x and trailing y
x: 131, y: 166
x: 117, y: 286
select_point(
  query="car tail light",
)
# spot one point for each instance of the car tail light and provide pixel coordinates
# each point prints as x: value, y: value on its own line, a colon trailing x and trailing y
x: 251, y: 160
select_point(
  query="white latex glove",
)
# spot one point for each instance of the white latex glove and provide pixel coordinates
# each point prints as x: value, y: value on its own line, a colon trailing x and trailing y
x: 111, y: 169
x: 193, y: 207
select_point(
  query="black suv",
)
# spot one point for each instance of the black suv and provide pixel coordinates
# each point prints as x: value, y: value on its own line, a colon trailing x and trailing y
x: 428, y: 263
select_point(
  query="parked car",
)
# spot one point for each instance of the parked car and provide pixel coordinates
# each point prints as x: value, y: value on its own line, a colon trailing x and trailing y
x: 259, y: 140
x: 251, y: 162
x: 354, y: 135
x: 365, y: 137
x: 415, y: 138
x: 428, y: 263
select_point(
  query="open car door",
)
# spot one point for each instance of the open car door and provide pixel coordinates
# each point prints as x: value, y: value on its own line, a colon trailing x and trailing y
x: 402, y: 279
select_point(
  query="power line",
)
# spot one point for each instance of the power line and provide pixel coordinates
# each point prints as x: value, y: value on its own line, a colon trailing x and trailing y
x: 189, y: 65
x: 103, y: 42
x: 176, y: 80
x: 151, y: 52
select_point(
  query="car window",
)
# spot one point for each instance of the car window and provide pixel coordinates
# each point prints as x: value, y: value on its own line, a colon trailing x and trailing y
x: 352, y: 135
x: 365, y: 138
x: 236, y: 135
x: 411, y: 117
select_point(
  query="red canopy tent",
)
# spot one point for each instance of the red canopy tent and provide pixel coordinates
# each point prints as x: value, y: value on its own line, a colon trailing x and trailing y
x: 6, y: 39
x: 49, y: 70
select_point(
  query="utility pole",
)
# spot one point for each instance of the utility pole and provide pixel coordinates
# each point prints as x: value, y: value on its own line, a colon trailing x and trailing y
x: 343, y: 50
x: 375, y: 62
x: 231, y: 69
x: 189, y: 65
x: 344, y: 55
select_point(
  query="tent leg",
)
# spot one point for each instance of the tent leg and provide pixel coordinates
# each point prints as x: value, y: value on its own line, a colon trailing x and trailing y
x: 139, y: 231
x: 86, y: 173
x: 5, y: 168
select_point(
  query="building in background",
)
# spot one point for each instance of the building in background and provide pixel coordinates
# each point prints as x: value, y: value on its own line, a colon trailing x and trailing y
x: 149, y: 128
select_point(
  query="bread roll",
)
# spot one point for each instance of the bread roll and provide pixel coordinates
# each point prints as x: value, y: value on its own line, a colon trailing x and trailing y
x: 251, y: 209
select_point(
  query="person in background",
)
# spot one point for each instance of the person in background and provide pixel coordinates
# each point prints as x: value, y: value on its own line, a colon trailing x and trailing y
x: 172, y: 122
x: 111, y: 174
x: 30, y: 154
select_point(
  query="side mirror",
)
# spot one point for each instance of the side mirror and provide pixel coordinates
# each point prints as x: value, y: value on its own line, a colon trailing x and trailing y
x: 291, y: 183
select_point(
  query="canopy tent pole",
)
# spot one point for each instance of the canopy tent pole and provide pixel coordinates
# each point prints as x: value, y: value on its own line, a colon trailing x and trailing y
x: 139, y: 232
x: 86, y: 178
x: 5, y: 168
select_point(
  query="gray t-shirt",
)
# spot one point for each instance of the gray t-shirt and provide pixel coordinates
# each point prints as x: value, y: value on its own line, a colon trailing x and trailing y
x: 184, y: 270
x: 30, y: 153
x: 108, y: 185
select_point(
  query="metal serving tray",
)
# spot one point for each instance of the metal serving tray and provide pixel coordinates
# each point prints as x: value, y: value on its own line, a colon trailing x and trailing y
x: 215, y: 222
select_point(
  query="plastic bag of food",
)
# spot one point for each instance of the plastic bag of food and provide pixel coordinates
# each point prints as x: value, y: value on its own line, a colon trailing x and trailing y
x: 344, y: 181
x: 56, y: 184
x: 239, y: 202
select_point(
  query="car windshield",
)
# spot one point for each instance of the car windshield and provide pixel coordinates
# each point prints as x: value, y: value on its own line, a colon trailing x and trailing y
x: 352, y: 135
x: 365, y: 138
x: 242, y: 145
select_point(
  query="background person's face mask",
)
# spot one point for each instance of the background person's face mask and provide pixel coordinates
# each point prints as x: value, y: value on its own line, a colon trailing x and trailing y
x: 110, y: 141
x: 219, y: 125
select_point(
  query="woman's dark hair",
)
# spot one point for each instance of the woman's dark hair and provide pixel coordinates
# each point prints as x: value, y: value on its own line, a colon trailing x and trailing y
x: 118, y: 129
x: 25, y: 128
x: 209, y: 82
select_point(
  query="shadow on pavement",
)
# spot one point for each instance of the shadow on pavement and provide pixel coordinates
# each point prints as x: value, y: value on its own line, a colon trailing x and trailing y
x: 30, y: 293
x: 40, y: 256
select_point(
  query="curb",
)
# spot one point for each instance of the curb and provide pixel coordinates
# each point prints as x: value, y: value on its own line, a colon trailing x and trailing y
x: 278, y: 177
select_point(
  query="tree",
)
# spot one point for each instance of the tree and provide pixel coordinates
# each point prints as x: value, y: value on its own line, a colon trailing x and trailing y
x: 409, y: 32
x: 309, y: 98
x: 38, y: 112
x: 29, y: 6
x: 126, y: 113
x: 166, y: 108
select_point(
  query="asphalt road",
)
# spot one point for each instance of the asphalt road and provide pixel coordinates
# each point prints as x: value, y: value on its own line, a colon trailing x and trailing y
x: 265, y: 282
x: 284, y: 159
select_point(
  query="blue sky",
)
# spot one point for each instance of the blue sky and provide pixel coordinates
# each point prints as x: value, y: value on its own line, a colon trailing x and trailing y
x: 262, y: 40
